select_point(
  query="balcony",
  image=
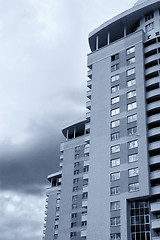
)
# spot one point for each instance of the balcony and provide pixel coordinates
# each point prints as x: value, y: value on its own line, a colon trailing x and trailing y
x: 89, y: 74
x: 155, y: 175
x: 87, y: 138
x: 85, y: 189
x: 154, y: 132
x: 155, y: 190
x: 84, y: 203
x: 88, y: 116
x: 155, y: 207
x: 87, y: 126
x: 84, y: 217
x: 154, y: 118
x: 154, y: 146
x: 88, y: 105
x: 154, y: 106
x: 154, y: 160
x: 152, y: 81
x: 152, y: 58
x: 86, y: 150
x: 88, y: 94
x: 153, y: 95
x: 89, y: 83
x: 152, y: 69
x: 155, y: 224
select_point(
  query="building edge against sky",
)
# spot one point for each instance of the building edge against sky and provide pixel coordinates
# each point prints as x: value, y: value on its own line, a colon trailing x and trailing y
x: 108, y: 184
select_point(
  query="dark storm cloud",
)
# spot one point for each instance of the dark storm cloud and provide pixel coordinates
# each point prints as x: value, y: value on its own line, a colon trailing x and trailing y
x: 25, y: 167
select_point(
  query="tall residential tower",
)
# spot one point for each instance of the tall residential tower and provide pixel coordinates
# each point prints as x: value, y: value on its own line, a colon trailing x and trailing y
x: 108, y: 185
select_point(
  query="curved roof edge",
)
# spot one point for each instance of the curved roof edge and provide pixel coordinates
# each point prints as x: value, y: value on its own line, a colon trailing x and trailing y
x: 138, y: 9
x: 78, y: 125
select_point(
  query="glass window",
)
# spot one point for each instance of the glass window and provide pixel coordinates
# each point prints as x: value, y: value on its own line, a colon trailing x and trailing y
x: 115, y: 100
x: 74, y: 206
x: 115, y: 221
x: 115, y: 236
x: 115, y: 89
x: 75, y: 180
x: 72, y: 234
x: 84, y: 223
x: 149, y: 27
x: 133, y: 172
x: 115, y: 57
x: 115, y: 78
x: 131, y: 106
x: 131, y: 82
x: 115, y: 149
x: 85, y: 195
x: 133, y: 158
x: 76, y: 164
x: 115, y: 190
x: 115, y: 206
x: 86, y: 168
x: 130, y: 60
x: 115, y: 67
x: 115, y: 176
x: 132, y: 131
x: 77, y: 149
x: 76, y: 172
x: 149, y: 16
x: 75, y: 197
x: 130, y: 50
x: 115, y: 136
x: 115, y: 111
x: 132, y: 118
x: 133, y: 144
x: 131, y: 94
x: 73, y: 224
x: 75, y: 188
x: 115, y: 162
x: 130, y: 71
x: 133, y: 187
x: 74, y: 215
x: 115, y: 123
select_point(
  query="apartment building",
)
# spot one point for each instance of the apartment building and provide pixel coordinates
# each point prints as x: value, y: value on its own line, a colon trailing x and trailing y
x: 108, y: 185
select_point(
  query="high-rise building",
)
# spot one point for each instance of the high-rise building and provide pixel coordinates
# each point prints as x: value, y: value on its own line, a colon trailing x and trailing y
x: 108, y: 186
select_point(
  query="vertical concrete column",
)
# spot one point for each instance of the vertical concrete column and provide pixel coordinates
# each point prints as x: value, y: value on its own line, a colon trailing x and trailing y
x: 97, y: 43
x: 125, y: 31
x: 74, y: 132
x: 108, y: 38
x: 67, y: 135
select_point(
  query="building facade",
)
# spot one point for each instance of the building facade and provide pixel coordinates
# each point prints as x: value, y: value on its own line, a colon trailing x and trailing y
x: 108, y: 186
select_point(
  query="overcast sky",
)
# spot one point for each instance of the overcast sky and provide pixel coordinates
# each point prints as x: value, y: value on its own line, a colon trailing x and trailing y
x: 43, y: 49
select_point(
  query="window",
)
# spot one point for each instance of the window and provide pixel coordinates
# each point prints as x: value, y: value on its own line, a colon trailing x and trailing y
x: 77, y: 156
x: 84, y: 223
x: 55, y: 226
x: 115, y: 136
x: 115, y: 123
x: 84, y: 210
x: 115, y: 176
x: 115, y: 67
x: 115, y: 221
x: 132, y: 118
x: 132, y: 131
x: 131, y: 106
x: 149, y: 16
x: 115, y: 149
x: 115, y: 162
x: 115, y: 236
x: 133, y: 187
x: 76, y: 164
x: 75, y: 180
x: 115, y: 78
x: 85, y: 182
x: 131, y: 94
x: 86, y: 168
x: 115, y: 89
x: 72, y: 234
x: 74, y: 215
x: 73, y: 224
x: 131, y: 82
x: 85, y: 195
x: 130, y: 71
x: 133, y: 144
x: 133, y: 158
x: 130, y: 50
x: 75, y: 189
x: 149, y: 27
x: 76, y: 172
x: 75, y: 197
x: 115, y: 111
x: 115, y: 206
x: 115, y: 100
x: 77, y: 149
x: 130, y: 60
x: 115, y: 57
x: 115, y: 190
x: 74, y: 206
x: 57, y: 208
x: 133, y: 172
